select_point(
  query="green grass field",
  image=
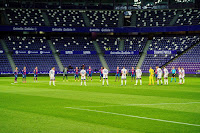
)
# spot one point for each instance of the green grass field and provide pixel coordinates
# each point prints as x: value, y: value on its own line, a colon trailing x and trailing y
x: 69, y: 107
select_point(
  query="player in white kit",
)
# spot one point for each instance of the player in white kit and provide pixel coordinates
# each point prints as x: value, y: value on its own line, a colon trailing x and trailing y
x: 180, y: 75
x: 105, y: 76
x: 159, y: 72
x: 52, y: 76
x: 83, y: 76
x: 166, y: 73
x: 183, y: 74
x: 124, y: 72
x: 138, y: 75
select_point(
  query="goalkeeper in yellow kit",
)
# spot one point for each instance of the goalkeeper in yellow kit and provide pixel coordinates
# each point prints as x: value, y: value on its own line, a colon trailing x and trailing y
x: 151, y: 75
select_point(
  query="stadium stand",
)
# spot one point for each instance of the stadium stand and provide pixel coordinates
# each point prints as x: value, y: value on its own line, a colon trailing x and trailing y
x: 108, y: 43
x: 26, y: 43
x: 68, y: 18
x: 190, y: 60
x: 72, y: 43
x: 4, y: 65
x: 121, y: 60
x: 43, y: 62
x: 178, y: 43
x: 77, y: 60
x: 189, y: 17
x: 149, y: 18
x: 25, y: 17
x: 103, y: 18
x: 135, y: 43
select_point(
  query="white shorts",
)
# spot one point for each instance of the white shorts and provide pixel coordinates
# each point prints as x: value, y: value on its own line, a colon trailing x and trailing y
x: 105, y: 76
x: 123, y: 77
x: 166, y: 76
x: 180, y: 77
x: 159, y: 76
x: 138, y: 76
x: 52, y: 78
x: 82, y: 77
x: 183, y: 77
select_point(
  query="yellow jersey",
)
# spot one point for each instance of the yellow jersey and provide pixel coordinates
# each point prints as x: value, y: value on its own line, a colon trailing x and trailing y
x: 151, y: 72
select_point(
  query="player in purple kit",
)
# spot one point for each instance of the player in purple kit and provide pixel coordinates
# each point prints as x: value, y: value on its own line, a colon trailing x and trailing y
x: 76, y: 73
x: 16, y: 74
x: 35, y: 74
x: 132, y: 74
x: 117, y: 74
x: 101, y: 72
x: 89, y: 73
x: 24, y: 75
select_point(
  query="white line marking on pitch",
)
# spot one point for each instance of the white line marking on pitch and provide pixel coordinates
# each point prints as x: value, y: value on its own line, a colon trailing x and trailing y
x: 136, y: 104
x: 133, y: 116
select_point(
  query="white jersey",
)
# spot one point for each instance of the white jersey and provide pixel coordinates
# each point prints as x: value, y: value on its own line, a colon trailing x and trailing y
x: 183, y: 73
x: 83, y: 73
x: 180, y: 73
x: 166, y: 72
x: 138, y: 73
x: 124, y: 72
x: 52, y: 74
x: 105, y: 73
x: 159, y: 72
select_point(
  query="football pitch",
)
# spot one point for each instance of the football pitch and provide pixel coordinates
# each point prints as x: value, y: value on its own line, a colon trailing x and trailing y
x: 68, y: 107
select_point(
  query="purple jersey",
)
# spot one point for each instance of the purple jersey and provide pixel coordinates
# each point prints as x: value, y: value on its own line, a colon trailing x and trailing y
x: 36, y: 71
x: 16, y: 72
x: 24, y: 71
x: 117, y: 71
x: 76, y: 71
x: 90, y: 71
x: 133, y: 71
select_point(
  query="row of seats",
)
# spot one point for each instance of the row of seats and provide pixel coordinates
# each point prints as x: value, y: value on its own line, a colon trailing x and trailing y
x: 77, y: 60
x: 26, y: 43
x: 43, y: 62
x: 127, y: 61
x: 73, y: 43
x: 74, y: 18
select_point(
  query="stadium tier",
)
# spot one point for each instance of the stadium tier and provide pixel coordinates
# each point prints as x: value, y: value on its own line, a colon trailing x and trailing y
x: 72, y: 43
x: 135, y: 43
x: 4, y: 65
x: 121, y: 60
x: 178, y: 43
x: 154, y: 17
x: 68, y: 18
x: 26, y: 43
x: 77, y: 60
x: 103, y: 18
x: 25, y: 17
x: 189, y: 17
x: 190, y: 60
x: 43, y: 62
x: 108, y: 43
x: 74, y: 18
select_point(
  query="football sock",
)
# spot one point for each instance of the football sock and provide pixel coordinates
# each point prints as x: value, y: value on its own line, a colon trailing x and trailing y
x: 103, y: 82
x: 140, y: 82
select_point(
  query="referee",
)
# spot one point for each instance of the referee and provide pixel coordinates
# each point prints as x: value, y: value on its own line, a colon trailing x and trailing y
x: 65, y: 74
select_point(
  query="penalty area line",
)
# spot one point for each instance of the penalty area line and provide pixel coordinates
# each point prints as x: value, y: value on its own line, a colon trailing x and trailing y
x: 134, y: 116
